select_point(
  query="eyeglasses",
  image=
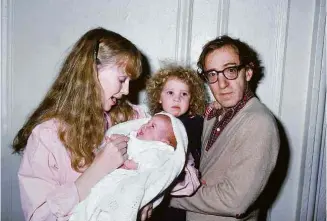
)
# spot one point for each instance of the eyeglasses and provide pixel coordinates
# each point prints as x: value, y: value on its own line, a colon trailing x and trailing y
x: 230, y: 73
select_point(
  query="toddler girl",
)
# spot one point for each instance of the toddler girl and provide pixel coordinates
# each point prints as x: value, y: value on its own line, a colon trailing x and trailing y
x: 180, y: 92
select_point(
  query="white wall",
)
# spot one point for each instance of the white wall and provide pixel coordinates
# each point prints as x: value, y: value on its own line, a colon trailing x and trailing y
x: 41, y: 32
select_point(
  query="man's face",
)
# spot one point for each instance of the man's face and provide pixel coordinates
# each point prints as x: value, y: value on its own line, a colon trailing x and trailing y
x: 157, y: 129
x: 227, y: 92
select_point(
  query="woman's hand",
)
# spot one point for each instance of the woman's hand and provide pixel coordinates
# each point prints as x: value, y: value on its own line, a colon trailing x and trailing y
x: 112, y: 156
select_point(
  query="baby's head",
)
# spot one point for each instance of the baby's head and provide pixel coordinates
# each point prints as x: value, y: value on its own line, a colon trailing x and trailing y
x: 176, y: 90
x: 158, y: 128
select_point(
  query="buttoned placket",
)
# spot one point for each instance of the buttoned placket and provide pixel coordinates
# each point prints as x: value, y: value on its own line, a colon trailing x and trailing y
x: 219, y: 119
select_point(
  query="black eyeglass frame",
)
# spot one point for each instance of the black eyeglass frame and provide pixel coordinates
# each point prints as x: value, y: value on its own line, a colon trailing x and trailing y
x: 204, y: 76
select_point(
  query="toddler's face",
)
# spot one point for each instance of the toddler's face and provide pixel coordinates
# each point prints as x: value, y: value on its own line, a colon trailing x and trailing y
x: 157, y: 129
x: 175, y: 97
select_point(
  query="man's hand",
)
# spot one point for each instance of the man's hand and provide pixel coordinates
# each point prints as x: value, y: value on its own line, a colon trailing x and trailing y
x: 146, y: 212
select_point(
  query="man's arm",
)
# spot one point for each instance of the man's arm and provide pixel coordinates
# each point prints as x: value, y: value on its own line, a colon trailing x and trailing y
x: 250, y: 167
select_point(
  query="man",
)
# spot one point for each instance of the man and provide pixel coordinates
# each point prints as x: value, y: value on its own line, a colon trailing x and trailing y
x: 240, y: 141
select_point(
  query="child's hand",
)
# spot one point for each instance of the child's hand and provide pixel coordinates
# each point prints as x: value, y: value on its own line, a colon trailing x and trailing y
x: 190, y: 183
x: 129, y: 165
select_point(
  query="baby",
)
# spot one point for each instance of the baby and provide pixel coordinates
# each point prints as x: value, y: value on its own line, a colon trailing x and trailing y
x: 158, y: 128
x: 156, y: 149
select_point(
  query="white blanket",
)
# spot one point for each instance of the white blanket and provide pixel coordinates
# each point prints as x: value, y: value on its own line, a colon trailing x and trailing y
x: 120, y: 194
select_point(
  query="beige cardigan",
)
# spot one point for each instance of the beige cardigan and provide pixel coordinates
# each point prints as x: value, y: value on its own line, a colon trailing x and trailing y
x: 236, y: 168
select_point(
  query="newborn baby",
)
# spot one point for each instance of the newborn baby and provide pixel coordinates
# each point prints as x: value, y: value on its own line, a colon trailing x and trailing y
x: 158, y: 128
x: 156, y: 150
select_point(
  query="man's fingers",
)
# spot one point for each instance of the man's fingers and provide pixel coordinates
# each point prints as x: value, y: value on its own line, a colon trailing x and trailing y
x: 150, y: 211
x: 143, y: 215
x: 146, y: 212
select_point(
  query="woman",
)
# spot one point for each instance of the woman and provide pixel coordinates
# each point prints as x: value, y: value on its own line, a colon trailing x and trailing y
x: 60, y: 139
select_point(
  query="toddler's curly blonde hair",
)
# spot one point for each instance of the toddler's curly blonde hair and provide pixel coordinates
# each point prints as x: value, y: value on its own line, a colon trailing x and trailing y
x: 155, y: 84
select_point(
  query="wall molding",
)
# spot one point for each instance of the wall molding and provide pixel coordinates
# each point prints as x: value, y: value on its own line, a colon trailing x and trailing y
x: 6, y: 104
x: 223, y: 17
x: 184, y: 32
x: 278, y: 67
x: 1, y: 93
x: 315, y: 116
x: 6, y: 66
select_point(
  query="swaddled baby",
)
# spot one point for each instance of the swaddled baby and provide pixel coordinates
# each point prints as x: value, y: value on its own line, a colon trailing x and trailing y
x: 156, y: 150
x: 158, y: 128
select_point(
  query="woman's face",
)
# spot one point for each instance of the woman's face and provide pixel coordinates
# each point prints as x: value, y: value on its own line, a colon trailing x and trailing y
x: 114, y: 82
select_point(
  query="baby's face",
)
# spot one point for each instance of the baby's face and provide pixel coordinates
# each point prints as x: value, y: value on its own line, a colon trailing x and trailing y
x: 157, y: 129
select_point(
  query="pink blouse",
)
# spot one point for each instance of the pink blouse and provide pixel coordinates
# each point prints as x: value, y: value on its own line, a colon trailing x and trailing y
x: 46, y: 178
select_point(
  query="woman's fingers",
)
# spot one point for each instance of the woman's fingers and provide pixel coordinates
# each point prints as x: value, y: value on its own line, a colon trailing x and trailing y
x: 120, y: 142
x: 117, y: 137
x: 114, y: 153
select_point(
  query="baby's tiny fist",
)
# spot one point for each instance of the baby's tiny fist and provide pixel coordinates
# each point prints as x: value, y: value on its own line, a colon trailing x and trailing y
x: 130, y: 165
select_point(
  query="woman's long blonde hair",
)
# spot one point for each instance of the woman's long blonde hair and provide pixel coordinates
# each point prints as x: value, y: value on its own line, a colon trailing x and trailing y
x: 122, y: 112
x: 75, y: 97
